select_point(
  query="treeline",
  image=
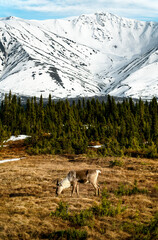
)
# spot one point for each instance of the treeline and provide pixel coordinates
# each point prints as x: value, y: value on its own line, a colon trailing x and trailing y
x: 58, y: 127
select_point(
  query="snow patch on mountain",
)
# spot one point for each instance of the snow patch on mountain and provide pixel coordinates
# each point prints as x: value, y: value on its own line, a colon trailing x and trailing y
x: 144, y: 79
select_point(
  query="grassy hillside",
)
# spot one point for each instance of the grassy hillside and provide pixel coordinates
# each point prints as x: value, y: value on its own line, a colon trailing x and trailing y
x: 29, y: 208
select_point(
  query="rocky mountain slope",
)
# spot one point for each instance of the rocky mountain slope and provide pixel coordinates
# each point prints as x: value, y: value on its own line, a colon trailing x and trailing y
x: 88, y: 55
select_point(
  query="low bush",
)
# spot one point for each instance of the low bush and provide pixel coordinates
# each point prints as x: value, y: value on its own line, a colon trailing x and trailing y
x: 148, y: 231
x: 61, y: 211
x: 116, y: 162
x: 69, y: 234
x: 84, y: 218
x: 125, y: 190
x: 152, y: 151
x: 107, y: 209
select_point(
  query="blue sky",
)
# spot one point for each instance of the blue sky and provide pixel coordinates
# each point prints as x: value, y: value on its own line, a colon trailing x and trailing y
x: 146, y: 10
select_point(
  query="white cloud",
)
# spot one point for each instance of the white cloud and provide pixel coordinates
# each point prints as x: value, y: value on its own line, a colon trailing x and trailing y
x: 128, y: 8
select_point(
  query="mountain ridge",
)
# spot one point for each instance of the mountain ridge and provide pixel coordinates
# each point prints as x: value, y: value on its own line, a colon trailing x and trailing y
x: 94, y: 54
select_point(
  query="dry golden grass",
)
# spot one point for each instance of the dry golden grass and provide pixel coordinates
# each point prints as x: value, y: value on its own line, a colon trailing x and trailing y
x: 27, y: 194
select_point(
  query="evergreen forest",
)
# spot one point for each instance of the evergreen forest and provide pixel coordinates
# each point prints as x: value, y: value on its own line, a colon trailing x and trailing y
x: 121, y: 127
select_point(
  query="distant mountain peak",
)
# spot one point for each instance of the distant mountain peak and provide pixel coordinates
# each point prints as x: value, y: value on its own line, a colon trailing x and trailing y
x: 94, y: 54
x: 9, y: 18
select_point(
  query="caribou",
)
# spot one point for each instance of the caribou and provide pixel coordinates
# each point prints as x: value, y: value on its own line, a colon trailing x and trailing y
x: 73, y: 179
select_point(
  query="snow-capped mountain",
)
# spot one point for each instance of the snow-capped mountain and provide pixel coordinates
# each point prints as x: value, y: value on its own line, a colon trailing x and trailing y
x: 88, y: 55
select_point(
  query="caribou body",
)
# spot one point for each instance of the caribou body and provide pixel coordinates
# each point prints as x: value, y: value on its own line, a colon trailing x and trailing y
x: 73, y: 179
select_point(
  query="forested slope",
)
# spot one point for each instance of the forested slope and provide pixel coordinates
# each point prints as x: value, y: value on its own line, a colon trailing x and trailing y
x: 58, y: 127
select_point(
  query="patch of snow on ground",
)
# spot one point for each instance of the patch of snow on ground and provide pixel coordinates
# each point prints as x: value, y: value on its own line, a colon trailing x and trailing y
x: 19, y: 137
x: 96, y: 146
x: 10, y: 160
